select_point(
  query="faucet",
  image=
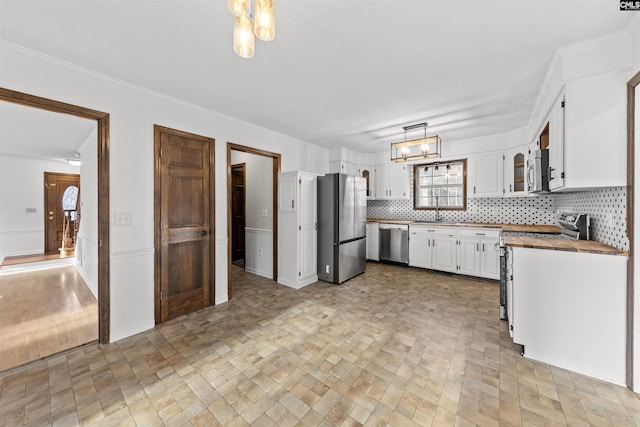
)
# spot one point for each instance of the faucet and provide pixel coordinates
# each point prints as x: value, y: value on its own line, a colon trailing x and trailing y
x: 438, y: 209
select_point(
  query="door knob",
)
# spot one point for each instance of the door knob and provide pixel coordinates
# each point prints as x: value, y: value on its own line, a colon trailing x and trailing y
x: 204, y: 232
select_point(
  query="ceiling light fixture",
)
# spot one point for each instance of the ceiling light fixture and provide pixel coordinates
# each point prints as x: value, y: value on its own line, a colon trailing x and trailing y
x: 264, y: 25
x: 416, y: 149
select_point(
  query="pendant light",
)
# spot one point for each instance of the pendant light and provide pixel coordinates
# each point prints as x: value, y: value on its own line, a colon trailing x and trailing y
x: 262, y: 25
x: 416, y: 149
x: 243, y: 40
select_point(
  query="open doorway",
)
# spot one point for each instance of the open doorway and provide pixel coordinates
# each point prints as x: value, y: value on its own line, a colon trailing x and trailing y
x: 238, y: 214
x: 96, y: 258
x: 260, y: 234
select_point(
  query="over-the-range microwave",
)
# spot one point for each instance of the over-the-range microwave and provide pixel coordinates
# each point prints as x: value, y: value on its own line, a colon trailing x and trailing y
x: 537, y: 172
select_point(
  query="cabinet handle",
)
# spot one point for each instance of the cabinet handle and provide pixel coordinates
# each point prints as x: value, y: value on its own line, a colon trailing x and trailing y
x: 474, y: 189
x: 477, y: 247
x: 483, y: 247
x: 429, y: 242
x: 550, y: 173
x: 480, y: 234
x: 510, y: 188
x: 293, y: 204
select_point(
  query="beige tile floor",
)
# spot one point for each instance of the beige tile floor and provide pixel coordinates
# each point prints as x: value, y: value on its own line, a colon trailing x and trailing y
x: 44, y: 312
x: 395, y: 346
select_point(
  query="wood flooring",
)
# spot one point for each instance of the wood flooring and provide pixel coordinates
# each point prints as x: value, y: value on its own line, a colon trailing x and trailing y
x: 395, y: 346
x: 22, y: 259
x: 44, y: 312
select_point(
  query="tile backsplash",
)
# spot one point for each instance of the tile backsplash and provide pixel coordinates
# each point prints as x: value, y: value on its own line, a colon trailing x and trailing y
x: 601, y: 205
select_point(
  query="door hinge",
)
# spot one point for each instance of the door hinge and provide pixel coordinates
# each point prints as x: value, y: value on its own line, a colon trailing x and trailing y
x: 299, y: 227
x: 503, y: 157
x: 562, y: 104
x: 161, y: 295
x: 300, y: 181
x: 161, y: 152
x: 299, y: 274
x: 562, y: 175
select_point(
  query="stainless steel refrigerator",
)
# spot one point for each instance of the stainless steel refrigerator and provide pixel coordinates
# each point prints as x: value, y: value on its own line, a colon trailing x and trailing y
x: 342, y: 218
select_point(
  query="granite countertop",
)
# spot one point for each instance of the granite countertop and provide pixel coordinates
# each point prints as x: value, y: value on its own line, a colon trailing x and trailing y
x: 525, y: 228
x: 586, y: 246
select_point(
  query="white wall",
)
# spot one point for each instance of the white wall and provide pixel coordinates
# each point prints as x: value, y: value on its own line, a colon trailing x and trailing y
x: 22, y: 187
x: 259, y: 212
x: 133, y: 112
x: 87, y: 240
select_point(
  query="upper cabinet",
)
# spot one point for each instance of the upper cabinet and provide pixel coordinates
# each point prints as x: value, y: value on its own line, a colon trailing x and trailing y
x: 514, y: 172
x: 392, y: 181
x: 485, y: 175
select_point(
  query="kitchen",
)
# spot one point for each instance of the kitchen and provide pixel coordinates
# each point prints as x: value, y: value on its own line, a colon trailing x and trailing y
x: 134, y: 111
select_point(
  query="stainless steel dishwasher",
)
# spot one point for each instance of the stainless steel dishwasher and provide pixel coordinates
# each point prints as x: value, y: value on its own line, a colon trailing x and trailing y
x: 394, y: 243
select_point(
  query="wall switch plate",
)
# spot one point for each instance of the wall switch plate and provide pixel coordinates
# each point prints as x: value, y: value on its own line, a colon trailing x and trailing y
x: 31, y: 210
x: 122, y: 218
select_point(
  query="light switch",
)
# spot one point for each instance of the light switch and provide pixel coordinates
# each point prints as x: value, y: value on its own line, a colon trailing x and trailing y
x: 122, y: 218
x: 30, y: 210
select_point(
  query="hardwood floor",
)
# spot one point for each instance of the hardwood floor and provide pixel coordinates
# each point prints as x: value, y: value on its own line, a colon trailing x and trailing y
x: 22, y: 259
x: 394, y: 346
x: 44, y: 312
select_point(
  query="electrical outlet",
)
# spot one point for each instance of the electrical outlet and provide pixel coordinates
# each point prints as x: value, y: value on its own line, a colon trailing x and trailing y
x: 260, y: 251
x: 610, y: 220
x: 265, y: 212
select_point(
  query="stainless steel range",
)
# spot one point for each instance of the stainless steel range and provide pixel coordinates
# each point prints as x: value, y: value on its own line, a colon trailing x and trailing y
x: 572, y: 226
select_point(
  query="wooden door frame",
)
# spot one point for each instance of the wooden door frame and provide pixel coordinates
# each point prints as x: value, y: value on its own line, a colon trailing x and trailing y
x: 46, y: 196
x: 276, y: 170
x: 244, y: 179
x: 157, y: 235
x: 102, y: 121
x: 631, y: 109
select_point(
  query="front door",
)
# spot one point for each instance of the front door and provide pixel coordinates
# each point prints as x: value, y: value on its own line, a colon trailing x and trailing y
x: 184, y: 219
x: 54, y: 186
x: 238, y: 219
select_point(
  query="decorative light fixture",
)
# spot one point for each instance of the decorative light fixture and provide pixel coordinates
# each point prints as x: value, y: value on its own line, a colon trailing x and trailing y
x: 416, y: 149
x: 244, y: 28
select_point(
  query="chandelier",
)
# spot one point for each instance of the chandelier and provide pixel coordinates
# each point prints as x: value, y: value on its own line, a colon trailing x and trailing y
x: 262, y: 24
x: 415, y: 149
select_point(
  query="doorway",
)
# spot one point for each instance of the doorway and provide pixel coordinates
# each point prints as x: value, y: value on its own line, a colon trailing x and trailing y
x: 184, y: 217
x: 55, y: 219
x: 274, y: 169
x: 102, y: 122
x: 238, y: 213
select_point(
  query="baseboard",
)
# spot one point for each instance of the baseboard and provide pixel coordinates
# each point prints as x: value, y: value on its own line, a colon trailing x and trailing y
x: 299, y: 283
x: 257, y: 272
x: 119, y: 335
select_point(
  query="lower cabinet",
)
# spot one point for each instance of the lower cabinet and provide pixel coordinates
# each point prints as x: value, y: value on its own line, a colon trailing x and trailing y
x: 477, y: 255
x: 470, y: 251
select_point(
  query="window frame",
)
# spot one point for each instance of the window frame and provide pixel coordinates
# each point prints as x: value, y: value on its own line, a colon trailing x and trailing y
x: 445, y: 163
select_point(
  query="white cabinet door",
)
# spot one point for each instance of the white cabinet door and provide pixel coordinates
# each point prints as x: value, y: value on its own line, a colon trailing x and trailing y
x: 307, y: 217
x: 373, y: 241
x: 287, y: 192
x: 489, y: 258
x: 392, y: 182
x: 419, y: 247
x: 444, y: 252
x: 514, y: 172
x: 485, y: 175
x: 556, y: 145
x: 399, y: 181
x: 469, y: 256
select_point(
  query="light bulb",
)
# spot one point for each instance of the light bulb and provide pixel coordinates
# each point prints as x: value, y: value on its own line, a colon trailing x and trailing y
x: 265, y: 24
x: 239, y: 7
x: 405, y: 152
x: 425, y: 149
x: 243, y: 40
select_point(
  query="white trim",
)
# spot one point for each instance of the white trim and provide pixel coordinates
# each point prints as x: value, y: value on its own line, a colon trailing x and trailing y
x: 130, y: 253
x: 264, y: 231
x: 299, y: 284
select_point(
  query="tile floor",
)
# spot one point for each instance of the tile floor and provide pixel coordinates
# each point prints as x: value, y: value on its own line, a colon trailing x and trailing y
x: 395, y: 346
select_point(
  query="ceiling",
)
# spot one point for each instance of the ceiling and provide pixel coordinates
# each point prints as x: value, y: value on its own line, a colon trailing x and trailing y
x: 340, y: 73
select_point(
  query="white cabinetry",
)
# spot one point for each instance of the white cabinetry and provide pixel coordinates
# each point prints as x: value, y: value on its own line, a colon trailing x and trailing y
x: 342, y: 166
x: 477, y: 255
x: 373, y: 241
x: 297, y: 225
x: 392, y: 181
x: 485, y: 175
x: 571, y: 312
x: 420, y: 245
x: 444, y: 255
x: 368, y: 172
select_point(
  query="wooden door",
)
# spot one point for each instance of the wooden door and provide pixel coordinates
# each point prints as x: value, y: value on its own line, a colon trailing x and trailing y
x: 238, y: 219
x: 54, y: 186
x: 184, y: 219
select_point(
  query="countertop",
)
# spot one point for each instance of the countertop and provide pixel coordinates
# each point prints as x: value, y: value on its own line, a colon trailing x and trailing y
x: 525, y: 228
x: 587, y: 246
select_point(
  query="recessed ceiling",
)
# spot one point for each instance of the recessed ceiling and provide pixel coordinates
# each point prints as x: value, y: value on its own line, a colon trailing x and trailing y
x: 339, y: 73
